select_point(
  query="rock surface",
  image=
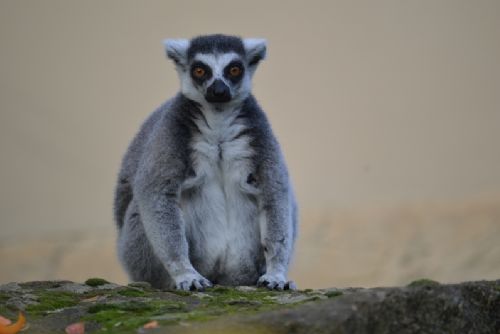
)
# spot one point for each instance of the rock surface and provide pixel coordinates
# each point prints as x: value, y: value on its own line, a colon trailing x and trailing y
x: 421, y: 307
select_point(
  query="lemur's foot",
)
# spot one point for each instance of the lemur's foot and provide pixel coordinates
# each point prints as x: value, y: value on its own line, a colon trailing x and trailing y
x: 276, y: 282
x: 192, y: 281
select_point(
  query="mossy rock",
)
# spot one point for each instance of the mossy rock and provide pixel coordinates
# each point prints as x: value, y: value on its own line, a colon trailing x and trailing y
x: 455, y: 308
x: 93, y: 282
x: 333, y: 294
x: 52, y: 300
x: 132, y: 293
x: 423, y: 282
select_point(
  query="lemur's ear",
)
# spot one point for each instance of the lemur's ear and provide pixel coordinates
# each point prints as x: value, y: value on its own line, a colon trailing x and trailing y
x: 255, y: 49
x: 176, y: 50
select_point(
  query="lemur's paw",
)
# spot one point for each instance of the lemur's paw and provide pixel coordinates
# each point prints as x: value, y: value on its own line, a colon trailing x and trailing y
x: 192, y: 282
x: 276, y: 282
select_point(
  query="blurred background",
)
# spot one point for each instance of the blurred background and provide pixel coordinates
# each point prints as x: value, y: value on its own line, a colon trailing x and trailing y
x: 388, y: 113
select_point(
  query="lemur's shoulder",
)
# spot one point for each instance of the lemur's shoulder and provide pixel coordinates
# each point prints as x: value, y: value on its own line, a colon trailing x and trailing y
x: 159, y: 123
x: 264, y: 140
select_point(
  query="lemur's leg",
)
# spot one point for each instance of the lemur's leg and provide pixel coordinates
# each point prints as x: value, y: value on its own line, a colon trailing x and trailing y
x: 165, y: 230
x: 136, y: 254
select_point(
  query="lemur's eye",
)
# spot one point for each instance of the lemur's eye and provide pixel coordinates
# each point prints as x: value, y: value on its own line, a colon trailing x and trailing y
x: 235, y: 71
x: 198, y: 72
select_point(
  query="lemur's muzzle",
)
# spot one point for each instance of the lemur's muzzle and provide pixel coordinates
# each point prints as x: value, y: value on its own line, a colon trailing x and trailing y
x: 218, y: 92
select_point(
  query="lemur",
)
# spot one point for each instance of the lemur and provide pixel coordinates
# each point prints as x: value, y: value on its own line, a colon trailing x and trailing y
x: 203, y: 195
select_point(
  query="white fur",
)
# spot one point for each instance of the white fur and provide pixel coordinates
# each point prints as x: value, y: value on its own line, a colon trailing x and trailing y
x: 176, y: 48
x: 221, y: 217
x: 254, y: 47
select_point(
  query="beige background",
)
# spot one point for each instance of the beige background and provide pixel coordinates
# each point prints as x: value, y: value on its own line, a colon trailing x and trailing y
x: 388, y: 113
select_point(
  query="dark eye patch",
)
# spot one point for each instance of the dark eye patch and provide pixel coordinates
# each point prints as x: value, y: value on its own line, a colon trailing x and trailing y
x: 205, y: 67
x: 227, y: 71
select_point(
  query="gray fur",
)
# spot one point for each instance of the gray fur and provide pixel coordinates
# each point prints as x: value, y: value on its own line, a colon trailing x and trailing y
x: 203, y: 194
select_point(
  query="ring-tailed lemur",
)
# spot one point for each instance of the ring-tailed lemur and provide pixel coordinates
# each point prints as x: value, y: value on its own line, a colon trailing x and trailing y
x: 203, y: 194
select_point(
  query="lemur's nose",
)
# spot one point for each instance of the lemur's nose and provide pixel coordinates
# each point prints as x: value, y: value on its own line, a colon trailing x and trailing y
x: 220, y: 88
x: 218, y: 92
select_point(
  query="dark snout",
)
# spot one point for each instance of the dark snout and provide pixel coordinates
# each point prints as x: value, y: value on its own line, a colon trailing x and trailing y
x: 218, y: 92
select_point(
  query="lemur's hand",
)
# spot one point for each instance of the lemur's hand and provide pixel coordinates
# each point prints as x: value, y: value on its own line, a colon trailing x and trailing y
x: 276, y: 282
x: 191, y: 281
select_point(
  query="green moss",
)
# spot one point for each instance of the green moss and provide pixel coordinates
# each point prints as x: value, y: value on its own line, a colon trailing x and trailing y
x: 161, y: 307
x: 127, y: 317
x: 4, y: 297
x: 132, y: 293
x: 136, y: 307
x: 423, y: 282
x: 5, y: 311
x: 227, y: 300
x: 308, y: 290
x: 118, y: 321
x: 221, y: 301
x: 102, y: 307
x: 333, y: 294
x: 141, y: 285
x: 96, y: 281
x: 141, y: 306
x: 52, y: 300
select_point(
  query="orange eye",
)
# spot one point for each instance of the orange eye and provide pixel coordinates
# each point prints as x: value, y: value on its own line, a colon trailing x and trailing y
x: 235, y: 71
x: 198, y: 72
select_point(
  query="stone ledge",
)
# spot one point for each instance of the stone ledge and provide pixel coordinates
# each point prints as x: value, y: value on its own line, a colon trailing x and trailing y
x: 421, y: 307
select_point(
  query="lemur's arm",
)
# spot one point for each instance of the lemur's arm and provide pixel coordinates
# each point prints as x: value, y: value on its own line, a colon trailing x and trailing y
x: 277, y: 222
x: 277, y: 240
x: 156, y: 188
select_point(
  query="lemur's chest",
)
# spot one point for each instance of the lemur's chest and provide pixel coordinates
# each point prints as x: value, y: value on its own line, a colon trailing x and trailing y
x: 221, y: 154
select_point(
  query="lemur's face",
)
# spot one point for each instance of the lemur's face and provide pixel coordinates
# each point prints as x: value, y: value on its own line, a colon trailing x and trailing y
x: 218, y: 78
x: 216, y: 69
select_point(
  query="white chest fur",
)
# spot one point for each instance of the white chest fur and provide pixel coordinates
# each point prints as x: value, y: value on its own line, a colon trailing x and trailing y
x: 219, y: 150
x: 220, y: 207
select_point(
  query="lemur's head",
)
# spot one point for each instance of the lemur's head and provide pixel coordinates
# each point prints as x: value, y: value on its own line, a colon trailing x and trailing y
x: 216, y: 69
